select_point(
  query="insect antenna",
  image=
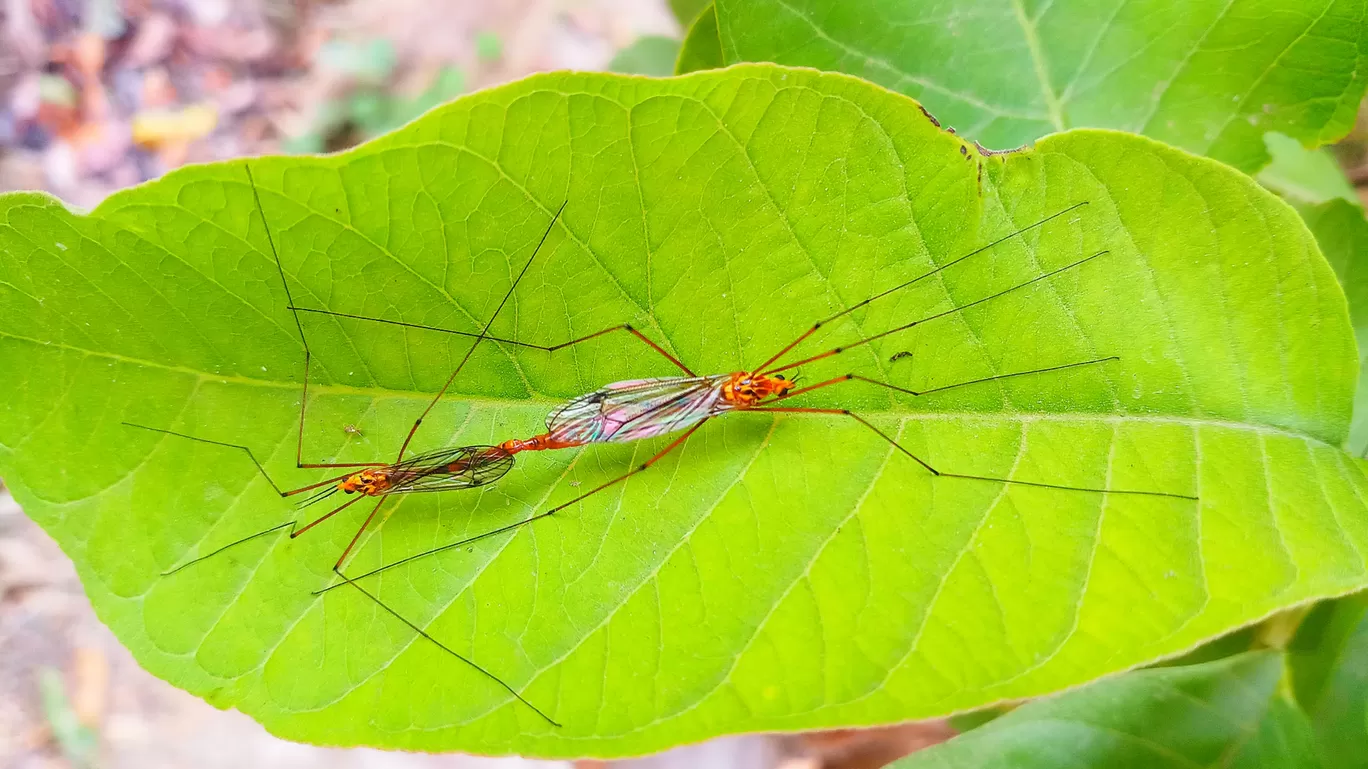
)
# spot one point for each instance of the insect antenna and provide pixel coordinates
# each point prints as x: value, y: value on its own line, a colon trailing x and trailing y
x: 929, y: 318
x: 942, y: 388
x: 327, y: 486
x: 318, y: 496
x: 905, y: 284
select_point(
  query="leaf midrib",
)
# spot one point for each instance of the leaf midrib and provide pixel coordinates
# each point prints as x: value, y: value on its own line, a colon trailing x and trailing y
x: 921, y: 416
x: 1053, y: 104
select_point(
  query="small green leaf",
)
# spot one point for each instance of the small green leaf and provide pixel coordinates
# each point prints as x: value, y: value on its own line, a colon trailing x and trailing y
x: 965, y: 722
x: 1227, y: 713
x: 687, y: 10
x: 650, y: 55
x: 701, y: 48
x: 1304, y: 176
x: 488, y: 46
x: 1342, y: 233
x: 372, y: 61
x: 1211, y: 76
x: 1228, y: 645
x: 780, y: 571
x: 1329, y: 663
x: 79, y: 743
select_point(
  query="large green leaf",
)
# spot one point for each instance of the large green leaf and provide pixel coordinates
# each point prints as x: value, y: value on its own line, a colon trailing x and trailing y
x: 1228, y: 713
x: 779, y: 571
x: 1211, y: 76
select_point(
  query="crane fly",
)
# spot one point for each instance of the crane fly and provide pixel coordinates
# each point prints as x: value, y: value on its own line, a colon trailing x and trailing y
x: 640, y: 409
x: 449, y: 469
x: 462, y: 467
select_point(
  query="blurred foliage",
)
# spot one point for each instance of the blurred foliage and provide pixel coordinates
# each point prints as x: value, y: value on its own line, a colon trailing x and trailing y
x: 1209, y: 76
x: 1303, y: 175
x: 1232, y: 713
x: 701, y: 48
x: 372, y: 107
x: 77, y: 742
x: 1328, y: 663
x: 488, y: 46
x: 687, y: 10
x: 652, y: 55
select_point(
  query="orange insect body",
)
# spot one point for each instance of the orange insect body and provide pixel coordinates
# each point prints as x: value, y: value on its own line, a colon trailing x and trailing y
x: 373, y: 482
x: 543, y: 442
x: 743, y: 389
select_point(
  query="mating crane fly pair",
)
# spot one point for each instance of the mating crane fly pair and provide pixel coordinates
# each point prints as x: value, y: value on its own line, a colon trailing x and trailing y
x: 617, y: 412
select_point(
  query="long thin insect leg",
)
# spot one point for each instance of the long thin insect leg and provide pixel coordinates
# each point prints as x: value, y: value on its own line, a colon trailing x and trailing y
x: 293, y: 533
x: 544, y: 347
x: 228, y: 546
x: 418, y: 422
x: 901, y: 286
x: 299, y: 326
x: 630, y: 329
x: 356, y: 537
x: 943, y: 474
x: 255, y: 461
x: 942, y: 388
x: 676, y: 443
x: 927, y: 319
x: 447, y: 649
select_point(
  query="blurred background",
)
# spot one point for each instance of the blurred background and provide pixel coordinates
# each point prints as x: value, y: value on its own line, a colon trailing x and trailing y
x: 98, y: 95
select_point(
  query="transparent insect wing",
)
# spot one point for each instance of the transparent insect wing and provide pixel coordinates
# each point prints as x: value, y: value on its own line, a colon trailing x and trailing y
x: 464, y: 467
x: 636, y: 409
x: 493, y: 464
